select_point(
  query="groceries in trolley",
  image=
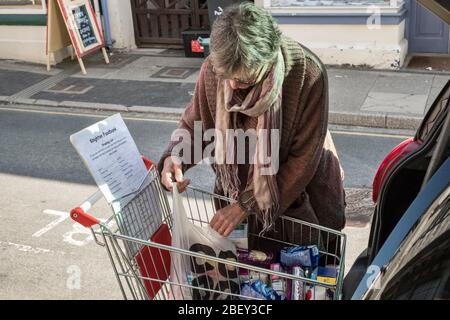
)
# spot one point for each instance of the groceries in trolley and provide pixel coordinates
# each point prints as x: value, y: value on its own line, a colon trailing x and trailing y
x: 198, y: 270
x: 197, y: 277
x: 300, y: 261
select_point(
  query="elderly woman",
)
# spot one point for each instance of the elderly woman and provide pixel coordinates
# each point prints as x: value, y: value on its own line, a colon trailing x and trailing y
x: 256, y: 78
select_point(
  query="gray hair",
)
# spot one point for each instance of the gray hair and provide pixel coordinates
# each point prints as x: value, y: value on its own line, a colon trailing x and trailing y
x: 243, y: 39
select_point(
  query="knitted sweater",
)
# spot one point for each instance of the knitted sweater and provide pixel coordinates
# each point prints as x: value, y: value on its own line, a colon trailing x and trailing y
x: 310, y: 178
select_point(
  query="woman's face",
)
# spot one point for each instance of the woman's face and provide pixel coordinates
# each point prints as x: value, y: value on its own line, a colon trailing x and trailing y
x: 236, y: 81
x: 235, y: 85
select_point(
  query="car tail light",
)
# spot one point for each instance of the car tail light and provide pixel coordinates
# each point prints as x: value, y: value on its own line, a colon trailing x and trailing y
x: 396, y: 154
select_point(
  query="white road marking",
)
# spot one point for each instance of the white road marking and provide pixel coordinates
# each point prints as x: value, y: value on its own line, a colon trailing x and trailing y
x: 70, y: 236
x: 84, y: 232
x: 28, y: 248
x: 78, y: 229
x: 62, y: 217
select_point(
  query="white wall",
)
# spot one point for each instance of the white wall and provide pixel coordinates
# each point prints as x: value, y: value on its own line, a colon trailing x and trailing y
x: 121, y: 21
x: 353, y: 44
x: 382, y: 47
x: 26, y: 43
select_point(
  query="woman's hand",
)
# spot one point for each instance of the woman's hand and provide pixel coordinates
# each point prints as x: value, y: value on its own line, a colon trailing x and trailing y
x: 171, y: 170
x: 226, y: 219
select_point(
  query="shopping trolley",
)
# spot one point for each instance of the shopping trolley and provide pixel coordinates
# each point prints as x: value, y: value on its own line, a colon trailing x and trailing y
x: 137, y: 238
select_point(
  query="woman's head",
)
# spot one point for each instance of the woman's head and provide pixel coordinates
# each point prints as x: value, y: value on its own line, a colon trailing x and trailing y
x: 244, y: 40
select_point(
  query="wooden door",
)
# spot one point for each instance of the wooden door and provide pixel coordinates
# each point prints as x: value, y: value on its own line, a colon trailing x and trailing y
x: 161, y: 22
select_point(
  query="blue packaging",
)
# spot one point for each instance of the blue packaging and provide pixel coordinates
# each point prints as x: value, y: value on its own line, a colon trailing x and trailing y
x: 305, y: 256
x: 249, y: 292
x: 329, y: 272
x: 258, y: 289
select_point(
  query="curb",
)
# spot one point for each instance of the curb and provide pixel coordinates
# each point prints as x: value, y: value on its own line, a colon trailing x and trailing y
x: 374, y: 120
x: 371, y: 120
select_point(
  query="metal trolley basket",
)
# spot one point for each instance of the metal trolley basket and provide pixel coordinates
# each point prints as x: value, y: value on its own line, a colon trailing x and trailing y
x: 137, y: 241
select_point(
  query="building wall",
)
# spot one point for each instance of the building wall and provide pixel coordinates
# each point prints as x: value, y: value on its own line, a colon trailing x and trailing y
x: 121, y: 21
x: 353, y: 44
x: 27, y: 43
x: 23, y: 43
x: 361, y: 35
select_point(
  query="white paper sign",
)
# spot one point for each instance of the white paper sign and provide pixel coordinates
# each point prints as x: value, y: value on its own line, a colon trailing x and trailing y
x: 112, y: 157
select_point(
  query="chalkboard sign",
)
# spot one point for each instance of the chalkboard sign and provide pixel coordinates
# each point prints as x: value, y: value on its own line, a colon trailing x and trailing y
x: 82, y: 25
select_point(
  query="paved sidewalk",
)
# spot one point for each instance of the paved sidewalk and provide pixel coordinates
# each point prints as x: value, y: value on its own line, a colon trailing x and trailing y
x: 161, y: 82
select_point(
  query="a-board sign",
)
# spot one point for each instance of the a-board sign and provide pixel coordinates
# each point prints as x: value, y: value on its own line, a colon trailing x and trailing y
x: 57, y: 35
x: 72, y: 22
x: 82, y: 25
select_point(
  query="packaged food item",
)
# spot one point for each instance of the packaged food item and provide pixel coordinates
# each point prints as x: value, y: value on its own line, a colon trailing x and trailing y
x: 319, y: 293
x: 275, y: 267
x: 310, y: 273
x: 304, y: 256
x: 327, y: 275
x: 308, y: 289
x: 255, y: 258
x: 278, y: 283
x: 258, y: 289
x: 322, y: 274
x: 298, y: 292
x: 309, y: 292
x: 249, y: 292
x: 246, y: 275
x: 239, y: 236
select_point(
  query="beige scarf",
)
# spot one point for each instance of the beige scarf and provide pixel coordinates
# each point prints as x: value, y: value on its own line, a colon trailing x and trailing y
x: 264, y: 103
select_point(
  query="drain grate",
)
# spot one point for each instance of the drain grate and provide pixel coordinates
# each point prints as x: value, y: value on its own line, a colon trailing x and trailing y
x: 174, y: 73
x: 76, y: 88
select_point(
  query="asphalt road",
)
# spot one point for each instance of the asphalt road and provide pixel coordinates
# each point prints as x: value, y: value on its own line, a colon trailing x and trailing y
x: 44, y: 255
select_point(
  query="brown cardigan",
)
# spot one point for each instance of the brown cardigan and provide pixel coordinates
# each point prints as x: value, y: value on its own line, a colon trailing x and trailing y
x: 310, y: 178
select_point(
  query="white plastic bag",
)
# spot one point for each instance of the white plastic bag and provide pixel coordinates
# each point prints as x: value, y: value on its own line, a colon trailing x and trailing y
x: 201, y: 273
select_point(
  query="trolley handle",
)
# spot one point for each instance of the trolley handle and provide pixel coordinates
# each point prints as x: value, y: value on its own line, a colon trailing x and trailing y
x: 83, y: 218
x: 80, y: 215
